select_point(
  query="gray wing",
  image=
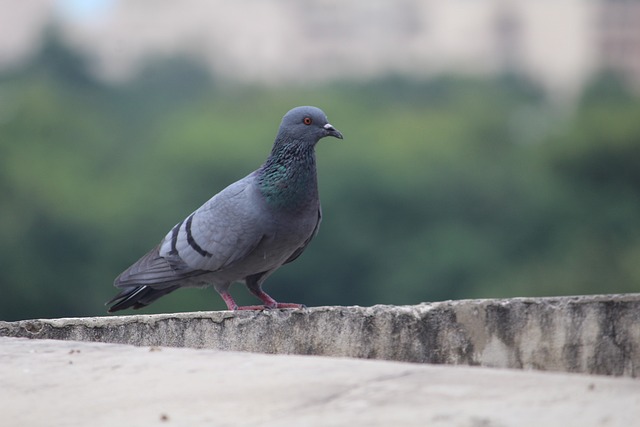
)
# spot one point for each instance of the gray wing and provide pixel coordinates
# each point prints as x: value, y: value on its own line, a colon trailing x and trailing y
x: 301, y: 249
x: 222, y: 231
x: 153, y: 268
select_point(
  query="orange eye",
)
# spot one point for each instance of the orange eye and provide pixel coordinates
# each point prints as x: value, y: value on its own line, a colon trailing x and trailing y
x: 307, y: 121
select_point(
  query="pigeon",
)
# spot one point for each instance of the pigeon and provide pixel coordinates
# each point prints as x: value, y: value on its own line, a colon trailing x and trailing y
x: 245, y: 232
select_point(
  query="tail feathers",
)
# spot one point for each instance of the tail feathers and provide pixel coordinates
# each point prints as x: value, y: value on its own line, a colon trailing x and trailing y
x: 137, y: 297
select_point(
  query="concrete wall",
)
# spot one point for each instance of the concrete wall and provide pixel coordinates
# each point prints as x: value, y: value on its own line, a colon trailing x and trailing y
x: 587, y: 334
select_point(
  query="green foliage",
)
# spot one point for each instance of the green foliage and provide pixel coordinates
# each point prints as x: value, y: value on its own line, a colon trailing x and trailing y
x: 447, y: 188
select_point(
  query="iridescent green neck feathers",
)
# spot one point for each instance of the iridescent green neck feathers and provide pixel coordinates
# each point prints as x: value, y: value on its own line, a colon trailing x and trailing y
x: 288, y: 178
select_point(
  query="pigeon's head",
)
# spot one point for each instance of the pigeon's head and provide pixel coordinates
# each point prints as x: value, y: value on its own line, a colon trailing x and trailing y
x: 307, y: 124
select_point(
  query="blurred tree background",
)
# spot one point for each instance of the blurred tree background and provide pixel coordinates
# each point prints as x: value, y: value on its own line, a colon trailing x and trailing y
x: 443, y: 188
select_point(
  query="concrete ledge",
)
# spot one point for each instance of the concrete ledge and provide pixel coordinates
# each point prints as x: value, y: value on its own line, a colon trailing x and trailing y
x: 586, y: 334
x: 57, y: 383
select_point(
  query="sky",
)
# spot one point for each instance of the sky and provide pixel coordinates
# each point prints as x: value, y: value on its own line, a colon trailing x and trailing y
x: 80, y: 10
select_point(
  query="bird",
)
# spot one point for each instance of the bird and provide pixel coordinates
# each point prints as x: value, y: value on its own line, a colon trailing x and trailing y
x: 246, y: 231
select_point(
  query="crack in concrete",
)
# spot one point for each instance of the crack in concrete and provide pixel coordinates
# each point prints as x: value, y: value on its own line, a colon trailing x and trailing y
x: 349, y: 390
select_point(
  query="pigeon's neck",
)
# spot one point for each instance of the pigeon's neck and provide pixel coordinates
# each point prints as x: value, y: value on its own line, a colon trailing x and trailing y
x: 288, y: 179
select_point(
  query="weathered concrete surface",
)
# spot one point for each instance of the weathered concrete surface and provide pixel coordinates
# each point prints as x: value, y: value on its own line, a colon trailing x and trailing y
x: 589, y: 334
x: 58, y: 383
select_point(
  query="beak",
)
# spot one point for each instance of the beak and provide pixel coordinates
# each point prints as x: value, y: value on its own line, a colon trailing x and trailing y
x: 331, y: 131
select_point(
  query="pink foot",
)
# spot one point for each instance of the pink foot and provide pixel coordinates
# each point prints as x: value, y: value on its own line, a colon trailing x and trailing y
x: 289, y: 305
x: 269, y: 303
x: 277, y: 305
x: 250, y: 307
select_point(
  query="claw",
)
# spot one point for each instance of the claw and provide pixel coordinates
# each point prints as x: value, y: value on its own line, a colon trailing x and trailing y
x: 276, y: 306
x: 289, y: 305
x: 251, y: 307
x: 269, y: 303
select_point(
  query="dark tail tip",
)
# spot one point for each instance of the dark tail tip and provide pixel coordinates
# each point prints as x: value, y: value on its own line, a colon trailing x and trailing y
x: 127, y: 298
x: 137, y: 297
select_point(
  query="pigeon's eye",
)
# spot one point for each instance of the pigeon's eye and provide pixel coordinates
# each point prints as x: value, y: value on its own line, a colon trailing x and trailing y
x: 307, y: 120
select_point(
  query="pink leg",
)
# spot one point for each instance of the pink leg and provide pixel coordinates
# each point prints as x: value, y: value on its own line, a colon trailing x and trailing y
x: 268, y: 301
x: 228, y: 299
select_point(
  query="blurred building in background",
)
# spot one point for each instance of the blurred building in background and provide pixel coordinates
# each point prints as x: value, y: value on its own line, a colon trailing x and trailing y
x: 560, y: 44
x: 618, y: 38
